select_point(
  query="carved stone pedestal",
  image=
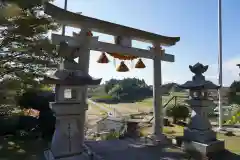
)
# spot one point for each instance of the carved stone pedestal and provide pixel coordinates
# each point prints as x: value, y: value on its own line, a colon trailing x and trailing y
x: 204, y: 148
x: 199, y: 128
x: 198, y: 135
x: 69, y: 131
x: 49, y: 156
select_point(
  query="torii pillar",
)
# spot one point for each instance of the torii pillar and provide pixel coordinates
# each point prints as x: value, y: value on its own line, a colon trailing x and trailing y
x: 157, y: 95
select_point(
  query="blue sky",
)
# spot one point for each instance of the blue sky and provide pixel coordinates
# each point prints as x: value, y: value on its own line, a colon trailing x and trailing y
x: 195, y: 21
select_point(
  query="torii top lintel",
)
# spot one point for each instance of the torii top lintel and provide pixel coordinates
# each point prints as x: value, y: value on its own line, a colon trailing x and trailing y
x: 79, y: 21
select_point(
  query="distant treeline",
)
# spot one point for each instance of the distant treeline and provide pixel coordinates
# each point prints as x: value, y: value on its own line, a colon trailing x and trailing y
x: 126, y: 90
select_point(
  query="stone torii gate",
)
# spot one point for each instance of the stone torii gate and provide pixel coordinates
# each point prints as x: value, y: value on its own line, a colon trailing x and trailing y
x: 127, y: 34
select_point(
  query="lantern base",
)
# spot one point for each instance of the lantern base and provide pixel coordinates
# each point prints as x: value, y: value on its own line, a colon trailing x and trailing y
x: 204, y: 148
x: 197, y: 147
x: 49, y: 156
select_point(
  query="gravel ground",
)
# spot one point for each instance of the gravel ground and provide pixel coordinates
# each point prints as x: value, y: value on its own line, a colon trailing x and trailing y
x: 123, y: 149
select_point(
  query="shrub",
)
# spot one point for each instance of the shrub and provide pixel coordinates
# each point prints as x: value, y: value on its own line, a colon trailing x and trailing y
x: 178, y: 112
x: 8, y: 124
x: 112, y: 135
x: 36, y: 99
x: 27, y: 123
x: 39, y: 100
x: 47, y: 122
x: 14, y: 123
x: 233, y: 97
x: 235, y: 118
x: 6, y: 110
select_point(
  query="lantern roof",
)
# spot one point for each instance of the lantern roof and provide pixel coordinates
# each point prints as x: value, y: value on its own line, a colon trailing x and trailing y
x: 199, y: 85
x: 71, y: 77
x: 198, y: 80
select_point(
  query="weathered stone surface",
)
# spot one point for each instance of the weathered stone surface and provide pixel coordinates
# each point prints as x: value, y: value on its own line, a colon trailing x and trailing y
x: 72, y: 109
x: 130, y: 150
x: 199, y: 136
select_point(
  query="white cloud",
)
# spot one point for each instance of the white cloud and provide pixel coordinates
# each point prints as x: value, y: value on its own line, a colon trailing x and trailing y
x: 179, y: 72
x: 230, y: 71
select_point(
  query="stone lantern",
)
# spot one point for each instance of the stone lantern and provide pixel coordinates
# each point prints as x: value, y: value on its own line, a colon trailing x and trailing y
x: 70, y: 105
x: 198, y: 135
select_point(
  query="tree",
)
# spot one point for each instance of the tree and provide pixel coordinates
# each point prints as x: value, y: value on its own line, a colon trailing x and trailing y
x: 178, y: 112
x: 233, y: 97
x: 129, y: 89
x: 26, y: 53
x: 110, y: 84
x: 8, y: 92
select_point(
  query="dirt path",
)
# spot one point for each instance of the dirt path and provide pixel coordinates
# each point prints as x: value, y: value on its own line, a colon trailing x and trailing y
x: 129, y: 108
x: 93, y: 115
x: 120, y: 109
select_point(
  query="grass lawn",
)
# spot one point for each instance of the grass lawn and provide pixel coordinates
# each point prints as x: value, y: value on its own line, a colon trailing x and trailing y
x: 149, y: 101
x: 16, y: 147
x: 12, y: 148
x: 231, y: 142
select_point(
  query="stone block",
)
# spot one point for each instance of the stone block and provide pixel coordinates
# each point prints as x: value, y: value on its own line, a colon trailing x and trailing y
x: 204, y: 148
x: 81, y: 156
